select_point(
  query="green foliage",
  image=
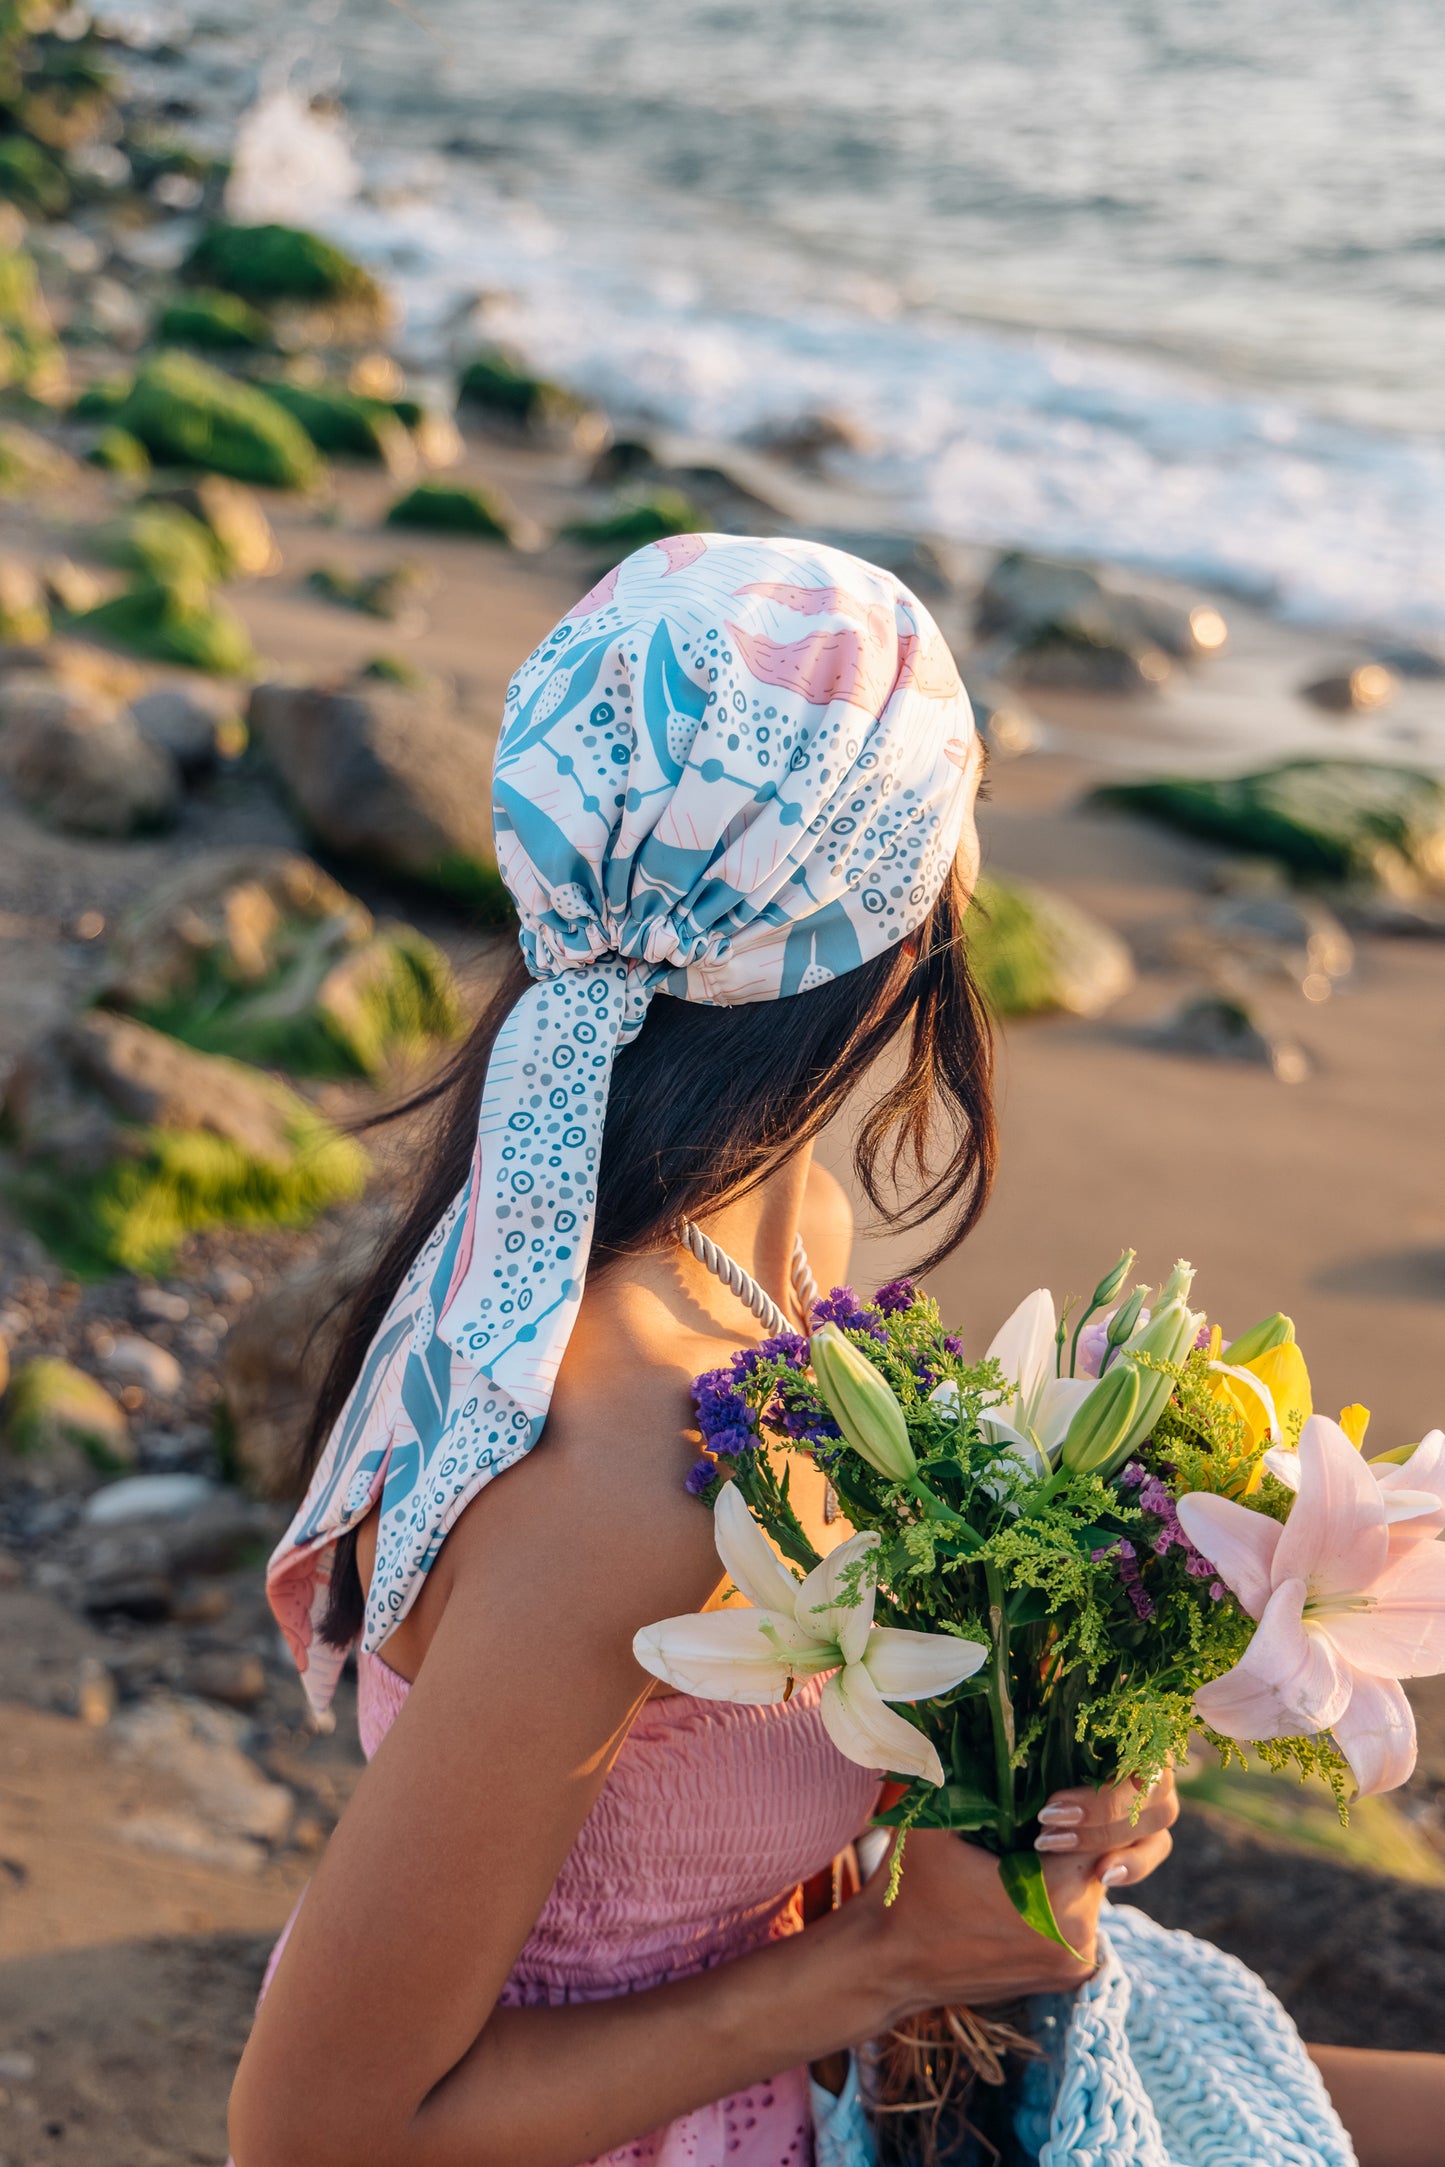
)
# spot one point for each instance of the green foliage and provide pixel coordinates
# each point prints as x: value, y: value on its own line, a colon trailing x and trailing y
x: 187, y: 413
x: 650, y: 519
x: 100, y: 400
x: 221, y: 322
x: 173, y: 622
x: 51, y: 1403
x: 454, y: 508
x: 119, y: 452
x: 267, y: 264
x: 393, y: 998
x: 161, y: 541
x: 32, y: 178
x: 134, y: 1215
x: 476, y: 885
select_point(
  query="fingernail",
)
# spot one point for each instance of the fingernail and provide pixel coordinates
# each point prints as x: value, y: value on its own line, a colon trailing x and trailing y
x: 1055, y: 1842
x: 1062, y: 1816
x: 1113, y: 1875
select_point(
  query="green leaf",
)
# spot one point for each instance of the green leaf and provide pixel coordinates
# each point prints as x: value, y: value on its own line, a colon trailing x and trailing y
x: 1022, y: 1874
x: 1029, y: 1606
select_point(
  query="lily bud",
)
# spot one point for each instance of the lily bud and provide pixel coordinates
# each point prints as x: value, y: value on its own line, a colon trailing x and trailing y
x: 1109, y: 1285
x: 1097, y: 1439
x: 1269, y: 1333
x: 1176, y: 1286
x: 862, y: 1405
x: 1125, y: 1319
x: 1168, y: 1337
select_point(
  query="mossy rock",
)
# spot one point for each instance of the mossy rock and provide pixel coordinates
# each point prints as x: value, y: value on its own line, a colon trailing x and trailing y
x: 631, y: 526
x: 385, y: 593
x: 127, y: 1141
x: 120, y: 453
x: 340, y: 421
x: 219, y: 322
x: 54, y: 1409
x: 270, y: 264
x: 454, y: 508
x: 262, y: 956
x: 28, y: 461
x: 187, y: 413
x: 31, y: 357
x: 1328, y: 820
x: 496, y: 383
x: 102, y: 399
x: 1032, y: 953
x: 174, y: 621
x: 24, y: 610
x: 232, y: 516
x: 31, y: 177
x: 161, y: 541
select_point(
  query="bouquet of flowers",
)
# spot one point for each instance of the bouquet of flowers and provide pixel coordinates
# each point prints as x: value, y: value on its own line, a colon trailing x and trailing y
x: 1111, y: 1532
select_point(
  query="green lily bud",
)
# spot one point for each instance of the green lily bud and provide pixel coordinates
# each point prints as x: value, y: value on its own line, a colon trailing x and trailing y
x: 1168, y: 1337
x: 862, y: 1405
x: 1270, y: 1332
x: 1108, y: 1287
x: 1097, y: 1438
x: 1176, y: 1286
x: 1125, y: 1319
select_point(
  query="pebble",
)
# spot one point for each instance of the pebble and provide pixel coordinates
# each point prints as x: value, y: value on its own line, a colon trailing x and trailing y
x: 138, y: 1361
x: 229, y: 1285
x: 17, y: 2068
x: 94, y: 1694
x: 161, y: 1304
x: 227, y: 1675
x: 148, y: 1497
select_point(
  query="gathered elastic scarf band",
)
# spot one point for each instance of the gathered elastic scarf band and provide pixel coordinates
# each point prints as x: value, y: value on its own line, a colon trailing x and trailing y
x: 734, y: 771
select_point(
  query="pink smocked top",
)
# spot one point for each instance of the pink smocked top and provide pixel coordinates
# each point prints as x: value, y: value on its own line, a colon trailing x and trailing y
x: 692, y: 1854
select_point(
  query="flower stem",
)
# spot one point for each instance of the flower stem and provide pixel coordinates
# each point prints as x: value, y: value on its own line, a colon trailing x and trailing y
x: 1001, y: 1707
x: 935, y: 1509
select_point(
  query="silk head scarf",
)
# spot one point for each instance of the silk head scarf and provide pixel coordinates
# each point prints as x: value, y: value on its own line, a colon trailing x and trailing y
x: 734, y: 771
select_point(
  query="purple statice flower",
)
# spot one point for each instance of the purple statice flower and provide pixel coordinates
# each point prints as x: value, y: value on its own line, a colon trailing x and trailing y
x: 842, y: 1307
x: 1130, y: 1477
x: 723, y: 1414
x: 809, y: 1425
x: 1133, y: 1579
x: 896, y: 1295
x: 954, y: 1346
x: 700, y: 1476
x: 789, y: 1347
x: 1155, y: 1498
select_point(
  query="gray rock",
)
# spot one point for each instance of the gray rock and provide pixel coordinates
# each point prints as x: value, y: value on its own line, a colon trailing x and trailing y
x: 1214, y: 1027
x: 1033, y: 952
x: 228, y: 1675
x: 200, y: 1747
x: 1407, y: 659
x: 275, y: 1358
x: 134, y: 1360
x: 64, y: 1424
x: 193, y: 731
x: 1359, y: 691
x: 148, y: 1497
x: 1026, y: 596
x: 160, y: 1303
x: 16, y: 2068
x: 1071, y: 655
x: 388, y: 776
x: 1270, y: 933
x: 807, y: 439
x: 79, y: 763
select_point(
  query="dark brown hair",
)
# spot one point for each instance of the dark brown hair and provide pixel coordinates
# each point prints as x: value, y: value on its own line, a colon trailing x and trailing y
x: 704, y: 1103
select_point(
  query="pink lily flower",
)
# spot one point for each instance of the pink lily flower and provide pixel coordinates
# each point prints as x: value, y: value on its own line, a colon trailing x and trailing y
x: 1344, y: 1613
x: 1413, y: 1489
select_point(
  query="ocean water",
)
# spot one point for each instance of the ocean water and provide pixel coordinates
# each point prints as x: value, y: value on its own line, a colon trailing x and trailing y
x: 1160, y: 280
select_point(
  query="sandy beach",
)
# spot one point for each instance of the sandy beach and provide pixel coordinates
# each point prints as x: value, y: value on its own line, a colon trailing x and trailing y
x: 163, y: 1797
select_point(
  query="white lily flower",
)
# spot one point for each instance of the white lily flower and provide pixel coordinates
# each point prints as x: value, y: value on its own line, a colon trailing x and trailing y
x: 800, y: 1629
x: 1033, y: 1423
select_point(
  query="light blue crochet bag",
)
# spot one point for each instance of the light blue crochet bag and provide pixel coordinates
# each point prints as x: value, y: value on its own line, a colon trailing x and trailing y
x: 1173, y: 2055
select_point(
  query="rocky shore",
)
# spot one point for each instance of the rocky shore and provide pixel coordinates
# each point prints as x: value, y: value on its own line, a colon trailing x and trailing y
x: 259, y: 600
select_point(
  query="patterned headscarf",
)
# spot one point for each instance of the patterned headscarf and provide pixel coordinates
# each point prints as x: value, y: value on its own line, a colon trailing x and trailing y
x: 732, y: 772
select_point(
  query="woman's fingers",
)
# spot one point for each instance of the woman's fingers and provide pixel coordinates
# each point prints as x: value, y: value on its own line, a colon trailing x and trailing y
x: 1083, y: 1821
x: 1118, y: 1869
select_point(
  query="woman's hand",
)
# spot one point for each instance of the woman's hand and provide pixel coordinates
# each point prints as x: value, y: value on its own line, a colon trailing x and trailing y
x: 953, y: 1935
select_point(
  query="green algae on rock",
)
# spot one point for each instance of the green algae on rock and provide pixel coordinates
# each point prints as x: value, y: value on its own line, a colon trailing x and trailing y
x: 120, y: 453
x: 341, y: 421
x: 454, y: 508
x: 1033, y: 952
x: 267, y: 264
x: 187, y: 413
x: 174, y: 620
x: 218, y: 322
x: 1327, y: 820
x: 232, y: 516
x: 649, y: 519
x: 497, y: 384
x: 261, y: 955
x: 160, y: 540
x: 54, y: 1409
x: 127, y: 1141
x: 32, y: 359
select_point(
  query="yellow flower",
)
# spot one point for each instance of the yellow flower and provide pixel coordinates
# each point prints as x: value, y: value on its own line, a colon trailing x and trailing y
x: 1354, y: 1421
x: 1271, y: 1395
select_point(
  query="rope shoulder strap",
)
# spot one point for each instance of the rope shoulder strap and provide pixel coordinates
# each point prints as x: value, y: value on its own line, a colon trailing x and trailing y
x: 745, y: 1287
